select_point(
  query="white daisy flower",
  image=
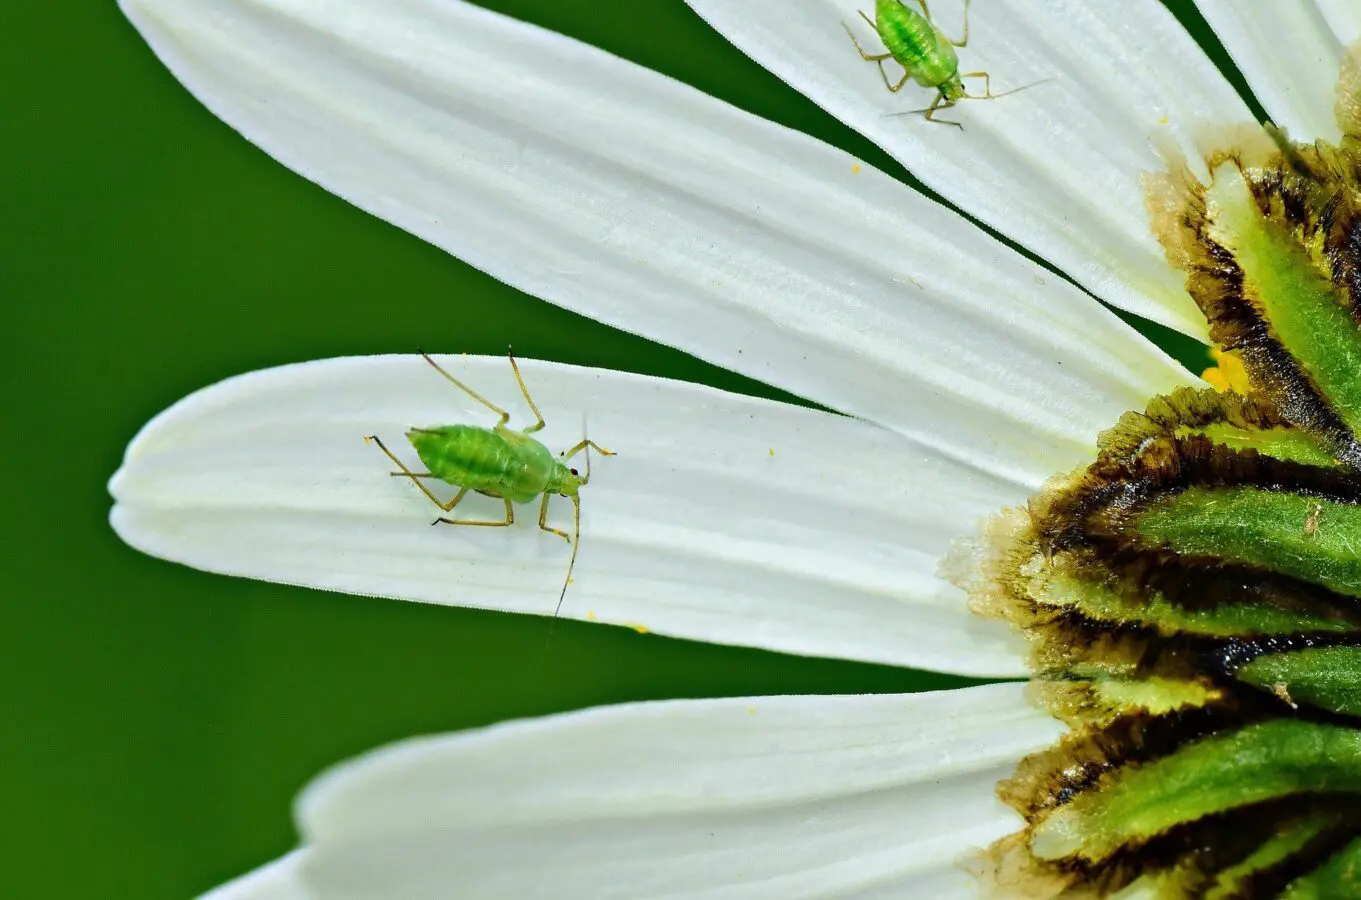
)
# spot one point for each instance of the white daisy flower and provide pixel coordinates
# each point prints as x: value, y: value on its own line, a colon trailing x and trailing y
x: 959, y: 376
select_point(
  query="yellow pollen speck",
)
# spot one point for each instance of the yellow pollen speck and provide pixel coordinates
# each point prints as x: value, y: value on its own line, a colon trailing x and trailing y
x: 1163, y: 120
x: 751, y: 710
x: 641, y: 629
x: 590, y: 614
x: 1227, y: 374
x: 855, y: 169
x: 772, y: 451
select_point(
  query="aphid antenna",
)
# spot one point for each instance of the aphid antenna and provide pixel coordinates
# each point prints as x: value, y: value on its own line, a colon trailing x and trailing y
x: 918, y: 112
x: 576, y: 532
x: 571, y: 563
x: 576, y: 522
x: 1026, y: 87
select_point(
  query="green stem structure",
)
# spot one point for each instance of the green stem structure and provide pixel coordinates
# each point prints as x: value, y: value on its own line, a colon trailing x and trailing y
x: 1326, y: 678
x: 1336, y: 879
x: 1193, y: 596
x: 1313, y: 539
x: 1261, y: 762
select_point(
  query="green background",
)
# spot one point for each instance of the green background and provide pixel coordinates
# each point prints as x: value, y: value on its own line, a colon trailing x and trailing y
x: 159, y: 720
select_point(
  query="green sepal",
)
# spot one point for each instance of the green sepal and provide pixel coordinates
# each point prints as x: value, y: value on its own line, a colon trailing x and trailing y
x: 1287, y: 278
x: 1102, y: 698
x: 1228, y: 770
x: 1236, y: 421
x: 1324, y: 677
x: 1282, y: 443
x: 1313, y: 539
x: 1336, y: 879
x: 1190, y: 594
x: 1290, y: 839
x: 1061, y: 583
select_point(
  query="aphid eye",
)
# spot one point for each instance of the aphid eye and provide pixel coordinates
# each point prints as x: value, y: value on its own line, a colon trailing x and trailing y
x: 573, y: 471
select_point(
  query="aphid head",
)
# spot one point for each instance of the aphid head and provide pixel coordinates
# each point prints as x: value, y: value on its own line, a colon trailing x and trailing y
x: 566, y: 480
x: 952, y: 88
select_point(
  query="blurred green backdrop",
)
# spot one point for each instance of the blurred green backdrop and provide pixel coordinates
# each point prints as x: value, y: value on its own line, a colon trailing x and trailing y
x: 162, y: 719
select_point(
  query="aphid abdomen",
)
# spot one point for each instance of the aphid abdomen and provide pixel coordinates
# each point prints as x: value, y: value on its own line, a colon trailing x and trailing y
x: 915, y: 43
x: 483, y: 459
x: 529, y: 469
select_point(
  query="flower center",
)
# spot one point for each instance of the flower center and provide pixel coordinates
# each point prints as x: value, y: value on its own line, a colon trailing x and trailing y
x: 1193, y: 597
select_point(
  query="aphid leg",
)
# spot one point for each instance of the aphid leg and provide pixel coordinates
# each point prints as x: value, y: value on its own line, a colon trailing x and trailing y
x: 987, y: 85
x: 452, y: 503
x: 505, y: 416
x: 582, y: 445
x: 877, y: 58
x: 588, y: 446
x: 939, y: 103
x: 538, y: 424
x: 893, y: 88
x: 543, y: 520
x: 867, y: 57
x: 510, y: 515
x: 962, y: 42
x: 415, y: 478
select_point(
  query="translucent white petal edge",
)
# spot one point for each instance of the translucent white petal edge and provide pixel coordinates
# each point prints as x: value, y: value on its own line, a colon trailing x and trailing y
x: 722, y: 518
x: 1058, y: 167
x: 1290, y: 54
x: 1344, y: 18
x: 751, y: 797
x: 277, y: 880
x: 636, y: 200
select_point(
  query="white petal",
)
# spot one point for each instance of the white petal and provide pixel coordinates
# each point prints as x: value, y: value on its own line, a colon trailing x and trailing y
x: 768, y: 797
x: 631, y: 198
x: 1056, y: 168
x: 1344, y: 18
x: 1290, y: 54
x: 723, y: 518
x: 278, y: 880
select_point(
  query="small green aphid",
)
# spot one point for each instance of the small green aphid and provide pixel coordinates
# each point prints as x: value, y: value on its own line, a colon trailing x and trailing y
x: 926, y: 55
x: 498, y: 462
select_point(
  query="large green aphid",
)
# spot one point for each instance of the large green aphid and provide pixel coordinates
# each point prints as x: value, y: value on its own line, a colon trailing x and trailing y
x: 1193, y: 596
x: 499, y: 462
x: 925, y: 54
